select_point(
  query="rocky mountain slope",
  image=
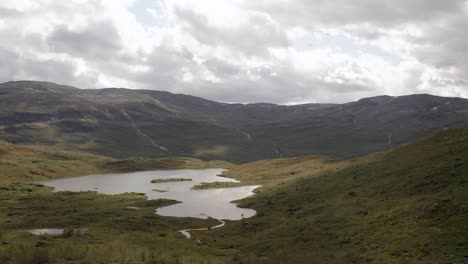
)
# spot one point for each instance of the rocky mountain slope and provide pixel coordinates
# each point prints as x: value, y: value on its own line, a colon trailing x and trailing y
x: 127, y: 123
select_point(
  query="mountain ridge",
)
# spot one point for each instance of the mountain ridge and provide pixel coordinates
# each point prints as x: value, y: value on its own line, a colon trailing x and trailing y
x: 2, y: 85
x: 123, y: 123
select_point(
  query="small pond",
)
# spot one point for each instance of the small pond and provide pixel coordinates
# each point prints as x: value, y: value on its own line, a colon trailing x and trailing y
x: 214, y: 203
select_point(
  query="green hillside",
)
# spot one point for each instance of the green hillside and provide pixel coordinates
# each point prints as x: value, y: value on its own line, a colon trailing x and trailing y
x: 34, y: 163
x: 409, y: 205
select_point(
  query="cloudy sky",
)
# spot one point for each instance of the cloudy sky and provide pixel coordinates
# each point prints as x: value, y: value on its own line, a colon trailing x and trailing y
x: 280, y: 51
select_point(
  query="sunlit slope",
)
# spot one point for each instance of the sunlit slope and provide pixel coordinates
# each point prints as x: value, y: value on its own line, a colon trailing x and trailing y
x: 409, y: 205
x: 33, y: 163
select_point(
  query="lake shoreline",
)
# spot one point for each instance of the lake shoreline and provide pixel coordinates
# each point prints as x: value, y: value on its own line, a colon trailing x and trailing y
x: 205, y: 203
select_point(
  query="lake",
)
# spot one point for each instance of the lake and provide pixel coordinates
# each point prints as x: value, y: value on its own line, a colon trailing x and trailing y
x: 214, y: 203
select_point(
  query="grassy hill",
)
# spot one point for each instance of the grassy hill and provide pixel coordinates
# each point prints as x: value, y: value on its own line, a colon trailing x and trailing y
x: 34, y: 163
x: 409, y: 205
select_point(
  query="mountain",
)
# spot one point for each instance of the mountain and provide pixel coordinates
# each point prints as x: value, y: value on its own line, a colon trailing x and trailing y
x: 124, y: 123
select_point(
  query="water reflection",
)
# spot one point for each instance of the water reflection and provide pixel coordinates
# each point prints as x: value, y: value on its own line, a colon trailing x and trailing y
x: 214, y: 203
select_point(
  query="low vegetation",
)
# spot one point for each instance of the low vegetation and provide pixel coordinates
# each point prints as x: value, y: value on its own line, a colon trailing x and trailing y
x: 33, y: 163
x: 170, y: 180
x: 116, y: 233
x: 408, y: 205
x: 159, y: 190
x: 212, y: 185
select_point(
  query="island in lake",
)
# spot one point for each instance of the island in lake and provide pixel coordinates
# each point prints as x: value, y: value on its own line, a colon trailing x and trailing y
x: 170, y: 180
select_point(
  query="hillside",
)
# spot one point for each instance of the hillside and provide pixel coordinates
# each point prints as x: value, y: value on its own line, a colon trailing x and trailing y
x: 126, y: 123
x: 34, y: 163
x: 409, y: 205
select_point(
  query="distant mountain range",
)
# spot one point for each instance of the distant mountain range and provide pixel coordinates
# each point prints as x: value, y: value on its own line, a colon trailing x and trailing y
x: 128, y: 123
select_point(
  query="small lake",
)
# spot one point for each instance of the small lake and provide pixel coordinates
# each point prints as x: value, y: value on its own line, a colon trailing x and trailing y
x: 57, y: 231
x: 214, y: 203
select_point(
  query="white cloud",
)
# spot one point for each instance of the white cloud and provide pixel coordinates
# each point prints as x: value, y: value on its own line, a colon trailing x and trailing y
x: 241, y: 51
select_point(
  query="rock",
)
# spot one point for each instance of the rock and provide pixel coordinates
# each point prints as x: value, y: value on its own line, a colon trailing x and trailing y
x: 363, y: 212
x: 40, y: 244
x: 431, y: 207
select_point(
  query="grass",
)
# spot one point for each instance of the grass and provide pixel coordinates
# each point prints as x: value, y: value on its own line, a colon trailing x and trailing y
x: 121, y: 235
x: 211, y: 185
x: 408, y: 205
x: 116, y: 234
x: 32, y: 163
x: 159, y: 190
x: 170, y: 180
x: 279, y: 171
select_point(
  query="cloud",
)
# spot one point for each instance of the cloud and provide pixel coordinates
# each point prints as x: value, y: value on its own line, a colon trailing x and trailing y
x: 253, y: 36
x: 98, y: 40
x: 12, y: 59
x: 9, y: 13
x: 241, y: 51
x: 381, y: 13
x: 31, y: 68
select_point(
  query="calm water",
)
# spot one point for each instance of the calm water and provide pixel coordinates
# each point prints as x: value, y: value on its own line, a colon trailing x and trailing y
x: 56, y: 231
x: 214, y: 203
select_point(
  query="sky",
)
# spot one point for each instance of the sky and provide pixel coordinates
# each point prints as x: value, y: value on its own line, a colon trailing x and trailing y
x: 276, y: 51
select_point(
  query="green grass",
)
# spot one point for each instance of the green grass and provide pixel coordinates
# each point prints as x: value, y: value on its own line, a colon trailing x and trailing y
x: 170, y: 180
x: 32, y: 163
x: 159, y: 190
x: 116, y: 233
x: 408, y: 205
x: 211, y: 185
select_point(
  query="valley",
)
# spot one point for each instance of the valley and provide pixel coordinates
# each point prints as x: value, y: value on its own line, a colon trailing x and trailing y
x: 405, y: 205
x: 233, y: 132
x: 344, y: 186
